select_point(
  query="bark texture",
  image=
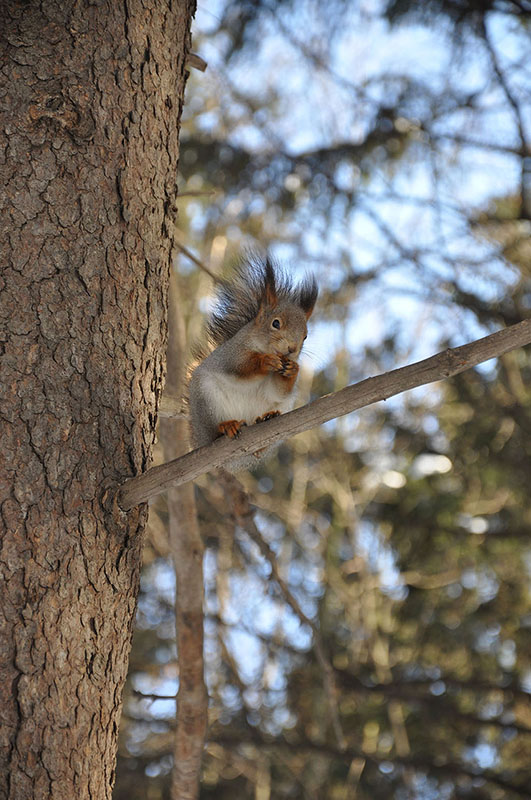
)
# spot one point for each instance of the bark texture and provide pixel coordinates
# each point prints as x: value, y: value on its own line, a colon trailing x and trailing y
x: 90, y: 101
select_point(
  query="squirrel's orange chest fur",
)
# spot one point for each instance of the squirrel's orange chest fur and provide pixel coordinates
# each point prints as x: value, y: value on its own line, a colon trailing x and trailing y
x: 281, y: 368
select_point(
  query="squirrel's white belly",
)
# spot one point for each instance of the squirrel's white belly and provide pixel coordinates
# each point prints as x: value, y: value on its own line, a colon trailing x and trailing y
x: 230, y: 397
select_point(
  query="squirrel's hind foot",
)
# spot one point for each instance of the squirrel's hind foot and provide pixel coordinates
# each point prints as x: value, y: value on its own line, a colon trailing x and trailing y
x: 231, y: 427
x: 267, y: 415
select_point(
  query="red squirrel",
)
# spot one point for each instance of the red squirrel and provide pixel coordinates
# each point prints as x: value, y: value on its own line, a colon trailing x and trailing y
x: 257, y: 329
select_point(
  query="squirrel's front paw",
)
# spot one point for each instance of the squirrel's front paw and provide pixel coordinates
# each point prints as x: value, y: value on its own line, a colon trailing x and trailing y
x: 273, y: 362
x: 289, y: 368
x: 231, y: 427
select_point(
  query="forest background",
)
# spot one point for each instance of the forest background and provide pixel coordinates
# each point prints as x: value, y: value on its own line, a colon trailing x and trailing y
x: 385, y: 147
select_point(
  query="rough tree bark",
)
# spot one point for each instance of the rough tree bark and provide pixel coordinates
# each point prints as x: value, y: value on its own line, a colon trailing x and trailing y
x: 90, y: 101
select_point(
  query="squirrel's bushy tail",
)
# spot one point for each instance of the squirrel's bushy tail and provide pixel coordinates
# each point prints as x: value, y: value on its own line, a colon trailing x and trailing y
x: 257, y: 280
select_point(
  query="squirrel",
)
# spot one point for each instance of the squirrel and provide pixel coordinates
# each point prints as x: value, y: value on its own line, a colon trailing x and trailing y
x: 256, y: 329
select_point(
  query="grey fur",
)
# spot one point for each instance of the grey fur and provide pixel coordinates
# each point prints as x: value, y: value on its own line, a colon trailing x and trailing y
x: 241, y: 323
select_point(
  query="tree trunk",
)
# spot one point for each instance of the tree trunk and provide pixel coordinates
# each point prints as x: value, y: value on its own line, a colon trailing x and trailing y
x: 90, y: 102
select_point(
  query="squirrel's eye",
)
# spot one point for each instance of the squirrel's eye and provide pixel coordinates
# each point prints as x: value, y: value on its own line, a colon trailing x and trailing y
x: 275, y: 324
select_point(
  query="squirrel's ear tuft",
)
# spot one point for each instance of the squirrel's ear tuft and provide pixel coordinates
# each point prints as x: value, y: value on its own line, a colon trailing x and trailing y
x: 308, y: 292
x: 269, y: 291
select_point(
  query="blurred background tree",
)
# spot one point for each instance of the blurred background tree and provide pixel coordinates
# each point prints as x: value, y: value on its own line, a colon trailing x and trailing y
x: 385, y: 146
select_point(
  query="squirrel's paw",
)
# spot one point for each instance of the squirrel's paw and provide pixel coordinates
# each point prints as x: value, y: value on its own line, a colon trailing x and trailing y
x: 289, y: 368
x: 268, y: 415
x: 273, y: 362
x: 231, y: 427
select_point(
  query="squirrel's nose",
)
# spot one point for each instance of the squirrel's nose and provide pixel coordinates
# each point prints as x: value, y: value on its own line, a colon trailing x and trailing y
x: 292, y: 348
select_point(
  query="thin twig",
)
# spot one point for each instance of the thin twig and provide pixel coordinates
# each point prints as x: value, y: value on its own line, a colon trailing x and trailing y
x: 197, y: 193
x: 171, y: 407
x: 440, y: 366
x: 402, y: 687
x: 152, y: 696
x: 194, y: 60
x: 407, y: 692
x: 188, y: 253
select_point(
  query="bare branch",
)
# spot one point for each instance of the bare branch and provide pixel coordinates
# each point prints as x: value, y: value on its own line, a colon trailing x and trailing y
x: 419, y: 693
x: 196, y: 61
x: 186, y: 547
x: 171, y: 407
x: 188, y: 253
x: 349, y: 680
x: 438, y: 367
x: 198, y: 193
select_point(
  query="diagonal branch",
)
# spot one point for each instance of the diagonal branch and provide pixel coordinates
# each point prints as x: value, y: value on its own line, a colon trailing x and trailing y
x: 438, y: 367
